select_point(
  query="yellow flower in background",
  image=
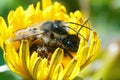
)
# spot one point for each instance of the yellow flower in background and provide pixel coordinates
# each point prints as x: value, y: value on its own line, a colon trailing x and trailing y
x: 31, y: 66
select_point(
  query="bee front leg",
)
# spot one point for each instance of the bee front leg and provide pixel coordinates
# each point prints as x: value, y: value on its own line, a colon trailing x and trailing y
x: 42, y: 51
x: 67, y: 53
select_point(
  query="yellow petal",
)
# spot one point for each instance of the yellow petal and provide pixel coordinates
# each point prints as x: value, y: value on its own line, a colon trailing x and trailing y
x: 46, y: 13
x: 96, y: 49
x: 57, y: 72
x: 1, y: 42
x: 82, y: 44
x: 3, y: 29
x: 33, y: 59
x: 25, y: 56
x: 76, y: 70
x: 84, y: 54
x: 35, y: 69
x: 37, y: 7
x: 55, y: 60
x: 95, y: 45
x: 42, y: 71
x: 10, y: 17
x: 46, y: 3
x: 9, y: 51
x: 93, y: 50
x: 29, y: 14
x: 30, y: 10
x: 38, y: 14
x: 69, y: 69
x: 12, y: 67
x: 17, y: 20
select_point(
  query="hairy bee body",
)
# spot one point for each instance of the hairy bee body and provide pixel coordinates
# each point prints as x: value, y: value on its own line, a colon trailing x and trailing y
x: 47, y: 36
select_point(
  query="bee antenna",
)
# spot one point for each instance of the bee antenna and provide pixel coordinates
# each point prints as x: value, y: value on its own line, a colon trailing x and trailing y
x: 82, y: 25
x: 76, y: 32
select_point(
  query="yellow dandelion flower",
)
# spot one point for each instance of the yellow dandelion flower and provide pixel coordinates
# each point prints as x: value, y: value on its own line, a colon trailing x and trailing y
x: 60, y: 66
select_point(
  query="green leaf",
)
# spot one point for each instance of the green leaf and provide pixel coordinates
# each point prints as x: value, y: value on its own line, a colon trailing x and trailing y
x: 8, y: 75
x: 1, y: 57
x: 77, y: 78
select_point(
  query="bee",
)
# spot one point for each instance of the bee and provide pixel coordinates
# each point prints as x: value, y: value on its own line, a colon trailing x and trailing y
x: 47, y: 36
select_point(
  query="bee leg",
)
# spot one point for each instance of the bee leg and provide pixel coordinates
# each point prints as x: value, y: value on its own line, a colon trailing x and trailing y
x: 67, y: 53
x: 61, y: 45
x: 42, y: 51
x: 49, y: 56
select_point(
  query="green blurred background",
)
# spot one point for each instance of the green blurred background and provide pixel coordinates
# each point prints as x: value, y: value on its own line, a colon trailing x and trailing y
x: 104, y: 17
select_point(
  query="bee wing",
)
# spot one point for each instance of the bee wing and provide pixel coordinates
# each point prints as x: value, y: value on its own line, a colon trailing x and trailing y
x: 26, y: 33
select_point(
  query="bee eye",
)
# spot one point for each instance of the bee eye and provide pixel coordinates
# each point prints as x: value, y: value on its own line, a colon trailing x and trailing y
x: 71, y: 42
x: 58, y: 28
